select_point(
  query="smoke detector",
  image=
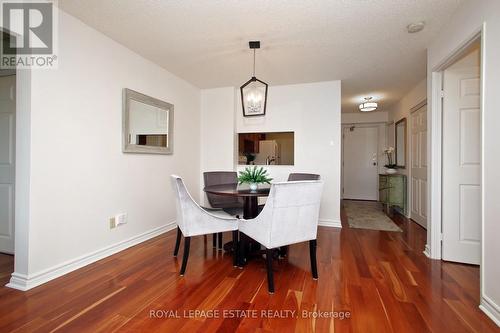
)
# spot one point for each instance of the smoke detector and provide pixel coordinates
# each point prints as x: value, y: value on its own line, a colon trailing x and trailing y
x: 415, y: 27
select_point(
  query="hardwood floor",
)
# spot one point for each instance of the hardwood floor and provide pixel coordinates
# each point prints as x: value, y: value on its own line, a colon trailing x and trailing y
x: 380, y: 279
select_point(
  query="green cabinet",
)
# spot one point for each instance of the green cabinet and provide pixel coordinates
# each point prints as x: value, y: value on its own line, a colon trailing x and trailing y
x: 392, y: 192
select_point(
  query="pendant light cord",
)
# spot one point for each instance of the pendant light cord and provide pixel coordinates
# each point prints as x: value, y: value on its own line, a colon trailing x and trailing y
x: 254, y: 62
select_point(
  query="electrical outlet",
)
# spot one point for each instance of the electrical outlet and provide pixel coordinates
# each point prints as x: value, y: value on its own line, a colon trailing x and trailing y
x: 121, y: 219
x: 112, y: 222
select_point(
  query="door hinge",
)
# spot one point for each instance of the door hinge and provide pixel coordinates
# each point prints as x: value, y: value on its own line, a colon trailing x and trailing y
x: 441, y: 93
x: 441, y: 237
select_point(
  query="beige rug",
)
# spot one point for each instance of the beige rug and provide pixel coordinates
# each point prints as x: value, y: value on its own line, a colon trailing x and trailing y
x: 368, y: 215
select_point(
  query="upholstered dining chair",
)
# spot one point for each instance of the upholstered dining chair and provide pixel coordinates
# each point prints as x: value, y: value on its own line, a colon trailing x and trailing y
x: 193, y: 220
x: 231, y: 205
x: 290, y: 216
x: 297, y: 176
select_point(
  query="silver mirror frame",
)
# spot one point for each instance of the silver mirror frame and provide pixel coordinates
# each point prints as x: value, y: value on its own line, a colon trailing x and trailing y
x: 404, y: 125
x: 128, y: 95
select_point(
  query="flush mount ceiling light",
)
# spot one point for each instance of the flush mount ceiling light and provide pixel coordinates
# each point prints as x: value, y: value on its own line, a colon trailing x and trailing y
x: 368, y: 106
x: 415, y: 27
x: 254, y: 91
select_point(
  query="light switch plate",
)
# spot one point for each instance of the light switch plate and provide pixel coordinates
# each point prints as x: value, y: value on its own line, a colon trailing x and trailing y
x: 121, y: 219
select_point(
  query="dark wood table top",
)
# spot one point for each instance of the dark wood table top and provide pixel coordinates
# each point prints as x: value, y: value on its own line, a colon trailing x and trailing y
x: 235, y: 190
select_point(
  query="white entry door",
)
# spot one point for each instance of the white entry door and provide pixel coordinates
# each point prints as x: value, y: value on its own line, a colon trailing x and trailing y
x: 418, y: 164
x: 360, y: 163
x: 7, y: 159
x: 462, y: 161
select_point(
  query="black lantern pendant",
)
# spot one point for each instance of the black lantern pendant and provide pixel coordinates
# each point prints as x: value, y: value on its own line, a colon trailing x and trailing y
x: 254, y: 91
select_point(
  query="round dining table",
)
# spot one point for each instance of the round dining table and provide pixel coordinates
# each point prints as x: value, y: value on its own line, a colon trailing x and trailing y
x: 250, y: 197
x: 250, y: 211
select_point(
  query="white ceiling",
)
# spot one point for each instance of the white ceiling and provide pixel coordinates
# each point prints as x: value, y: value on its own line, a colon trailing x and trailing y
x: 364, y: 43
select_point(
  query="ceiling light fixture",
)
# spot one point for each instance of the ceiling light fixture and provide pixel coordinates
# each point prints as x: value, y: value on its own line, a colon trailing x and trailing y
x: 368, y: 106
x: 415, y: 27
x: 254, y: 91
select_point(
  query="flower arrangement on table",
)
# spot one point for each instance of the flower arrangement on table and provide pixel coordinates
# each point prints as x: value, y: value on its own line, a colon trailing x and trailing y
x: 391, y: 166
x: 254, y: 176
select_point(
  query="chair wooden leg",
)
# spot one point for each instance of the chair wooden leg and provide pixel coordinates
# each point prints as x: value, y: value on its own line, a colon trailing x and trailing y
x: 312, y: 253
x: 177, y: 242
x: 270, y: 278
x: 235, y: 248
x: 220, y: 240
x: 187, y: 241
x: 214, y: 241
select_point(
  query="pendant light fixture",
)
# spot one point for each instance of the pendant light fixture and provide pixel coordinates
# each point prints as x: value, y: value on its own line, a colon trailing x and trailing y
x: 368, y: 106
x: 254, y: 91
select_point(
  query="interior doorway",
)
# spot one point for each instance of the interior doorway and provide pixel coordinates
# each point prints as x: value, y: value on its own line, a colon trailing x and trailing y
x: 360, y: 154
x: 7, y: 160
x: 461, y: 157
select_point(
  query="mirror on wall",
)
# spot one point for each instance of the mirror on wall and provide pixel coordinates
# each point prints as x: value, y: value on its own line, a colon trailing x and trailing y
x: 400, y: 143
x: 147, y: 124
x: 267, y: 148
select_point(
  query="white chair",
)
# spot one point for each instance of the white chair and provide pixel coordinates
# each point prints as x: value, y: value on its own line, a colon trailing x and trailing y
x: 283, y: 251
x: 193, y: 220
x: 290, y: 216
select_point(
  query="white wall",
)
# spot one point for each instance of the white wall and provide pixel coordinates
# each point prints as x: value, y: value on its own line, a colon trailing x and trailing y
x: 79, y: 176
x: 416, y: 95
x: 312, y: 111
x: 401, y: 110
x: 365, y: 117
x: 465, y: 23
x: 217, y: 131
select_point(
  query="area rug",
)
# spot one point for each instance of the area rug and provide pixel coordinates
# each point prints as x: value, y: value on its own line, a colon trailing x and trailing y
x: 368, y: 215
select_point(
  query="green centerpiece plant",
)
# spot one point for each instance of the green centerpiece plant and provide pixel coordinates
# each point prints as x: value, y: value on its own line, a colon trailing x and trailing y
x: 254, y: 176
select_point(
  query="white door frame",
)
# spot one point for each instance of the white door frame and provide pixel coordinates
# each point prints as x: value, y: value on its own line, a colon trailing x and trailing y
x: 22, y: 195
x: 8, y: 249
x: 433, y: 248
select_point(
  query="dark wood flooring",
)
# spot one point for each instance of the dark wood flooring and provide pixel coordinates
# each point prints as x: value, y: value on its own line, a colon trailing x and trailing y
x: 380, y: 280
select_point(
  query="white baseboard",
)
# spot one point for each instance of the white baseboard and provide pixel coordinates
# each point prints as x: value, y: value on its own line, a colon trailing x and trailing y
x: 491, y: 309
x: 25, y: 282
x: 330, y: 223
